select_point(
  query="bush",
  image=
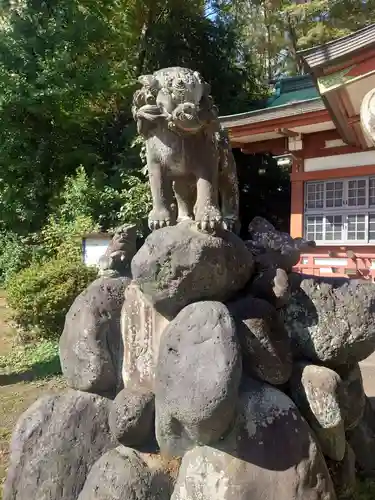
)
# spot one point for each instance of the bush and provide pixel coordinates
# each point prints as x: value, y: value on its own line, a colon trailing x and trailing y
x: 58, y: 238
x: 126, y: 202
x: 62, y: 239
x: 41, y: 295
x: 16, y: 253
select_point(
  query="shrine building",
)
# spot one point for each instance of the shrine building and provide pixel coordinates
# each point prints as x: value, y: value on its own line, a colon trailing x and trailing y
x: 312, y: 123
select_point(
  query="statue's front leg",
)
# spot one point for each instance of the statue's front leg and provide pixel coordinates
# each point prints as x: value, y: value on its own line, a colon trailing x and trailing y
x: 185, y: 191
x: 207, y: 211
x: 161, y: 189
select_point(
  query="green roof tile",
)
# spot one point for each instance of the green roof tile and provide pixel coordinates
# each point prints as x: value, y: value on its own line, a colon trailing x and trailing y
x: 293, y: 89
x: 296, y: 96
x: 292, y: 95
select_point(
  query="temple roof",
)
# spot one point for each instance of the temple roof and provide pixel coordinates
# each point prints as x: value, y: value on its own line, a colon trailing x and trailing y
x: 317, y: 58
x: 293, y: 89
x: 292, y: 95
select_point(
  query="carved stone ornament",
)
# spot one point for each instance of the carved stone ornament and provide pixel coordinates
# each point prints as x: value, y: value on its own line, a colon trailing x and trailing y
x: 368, y: 115
x: 122, y: 248
x: 189, y: 159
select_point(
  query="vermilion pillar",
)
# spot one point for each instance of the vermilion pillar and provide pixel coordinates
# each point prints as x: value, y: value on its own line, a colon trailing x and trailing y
x: 296, y: 216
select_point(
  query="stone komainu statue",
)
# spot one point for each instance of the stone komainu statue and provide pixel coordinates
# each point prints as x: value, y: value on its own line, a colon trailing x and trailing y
x: 116, y: 260
x: 189, y: 158
x: 368, y: 115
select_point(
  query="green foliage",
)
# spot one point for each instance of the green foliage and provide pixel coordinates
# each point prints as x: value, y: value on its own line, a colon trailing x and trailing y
x: 63, y: 239
x: 320, y: 21
x: 366, y: 490
x: 85, y: 198
x: 272, y: 31
x: 40, y: 360
x: 16, y: 253
x: 58, y: 238
x: 211, y: 48
x: 68, y: 69
x: 41, y: 295
x: 135, y: 203
x: 65, y: 77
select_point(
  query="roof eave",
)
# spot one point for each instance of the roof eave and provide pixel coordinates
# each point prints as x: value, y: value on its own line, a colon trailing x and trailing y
x: 267, y: 114
x: 318, y: 57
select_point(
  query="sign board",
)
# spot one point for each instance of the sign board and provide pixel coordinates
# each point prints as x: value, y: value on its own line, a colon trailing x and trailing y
x: 93, y: 247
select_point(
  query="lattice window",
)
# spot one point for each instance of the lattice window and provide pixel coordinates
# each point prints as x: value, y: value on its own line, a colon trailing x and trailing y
x: 334, y: 227
x: 356, y: 227
x: 315, y: 195
x: 334, y: 194
x: 371, y: 191
x: 340, y: 210
x: 314, y: 227
x: 371, y: 227
x: 357, y: 193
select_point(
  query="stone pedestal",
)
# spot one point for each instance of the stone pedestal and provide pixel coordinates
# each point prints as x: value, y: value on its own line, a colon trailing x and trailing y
x: 141, y: 328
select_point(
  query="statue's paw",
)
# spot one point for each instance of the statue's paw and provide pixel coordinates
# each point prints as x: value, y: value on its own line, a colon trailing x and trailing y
x: 210, y: 219
x: 230, y: 224
x: 158, y: 219
x: 184, y: 218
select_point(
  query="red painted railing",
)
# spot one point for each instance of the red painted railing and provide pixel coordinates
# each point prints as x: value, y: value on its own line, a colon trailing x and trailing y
x: 359, y: 262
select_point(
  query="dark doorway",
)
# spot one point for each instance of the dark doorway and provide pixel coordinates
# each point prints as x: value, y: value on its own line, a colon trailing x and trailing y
x: 264, y: 190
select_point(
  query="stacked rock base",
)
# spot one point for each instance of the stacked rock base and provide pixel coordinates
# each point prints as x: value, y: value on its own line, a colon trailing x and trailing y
x: 211, y: 373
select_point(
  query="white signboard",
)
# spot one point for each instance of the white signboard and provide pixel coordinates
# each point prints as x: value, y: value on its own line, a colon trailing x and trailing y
x: 93, y: 249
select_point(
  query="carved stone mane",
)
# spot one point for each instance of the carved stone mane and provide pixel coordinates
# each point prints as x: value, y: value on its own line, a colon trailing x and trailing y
x: 174, y: 95
x: 188, y: 155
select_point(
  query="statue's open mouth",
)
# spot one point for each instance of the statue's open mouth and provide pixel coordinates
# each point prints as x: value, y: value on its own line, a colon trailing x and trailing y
x: 183, y: 117
x: 188, y: 124
x: 186, y: 118
x: 149, y: 112
x: 149, y: 109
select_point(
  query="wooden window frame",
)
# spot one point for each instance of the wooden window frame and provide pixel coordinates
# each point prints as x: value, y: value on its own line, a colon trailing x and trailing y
x: 344, y: 210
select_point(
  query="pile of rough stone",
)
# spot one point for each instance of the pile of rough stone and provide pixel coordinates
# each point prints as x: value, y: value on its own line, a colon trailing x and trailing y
x: 221, y: 376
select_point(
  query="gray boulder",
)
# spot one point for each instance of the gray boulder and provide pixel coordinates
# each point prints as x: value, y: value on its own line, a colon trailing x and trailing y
x: 316, y: 390
x: 362, y: 441
x: 352, y: 395
x: 270, y: 453
x: 54, y: 445
x: 118, y: 475
x: 91, y: 345
x: 332, y: 322
x: 295, y: 280
x: 179, y: 265
x: 344, y: 475
x: 265, y: 343
x: 197, y: 378
x: 274, y: 249
x: 164, y: 472
x: 131, y: 418
x: 271, y: 285
x: 266, y: 259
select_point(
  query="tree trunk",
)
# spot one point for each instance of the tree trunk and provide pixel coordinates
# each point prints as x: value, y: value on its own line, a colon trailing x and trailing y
x: 143, y: 41
x: 293, y: 38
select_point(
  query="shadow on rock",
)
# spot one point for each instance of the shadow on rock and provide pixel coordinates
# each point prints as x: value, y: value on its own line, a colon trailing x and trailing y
x: 331, y: 321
